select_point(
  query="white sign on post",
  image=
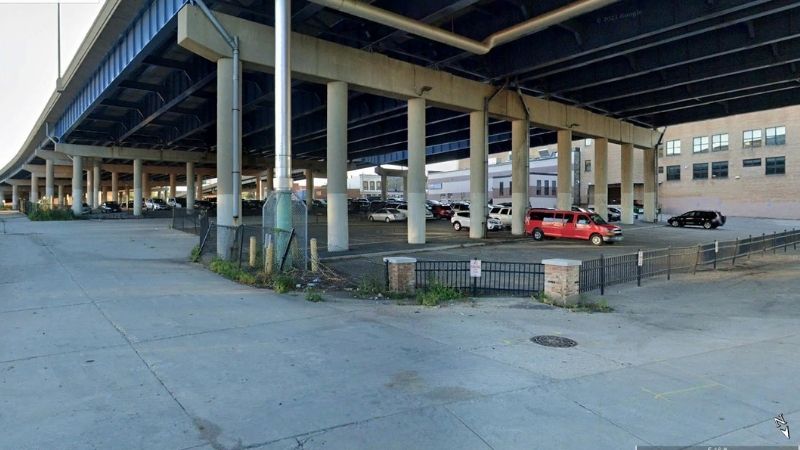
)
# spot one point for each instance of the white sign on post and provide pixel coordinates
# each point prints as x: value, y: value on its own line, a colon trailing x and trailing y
x: 475, y: 268
x: 641, y: 258
x: 716, y: 246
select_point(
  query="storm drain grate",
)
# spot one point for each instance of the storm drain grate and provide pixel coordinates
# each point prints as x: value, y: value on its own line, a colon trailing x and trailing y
x: 553, y: 341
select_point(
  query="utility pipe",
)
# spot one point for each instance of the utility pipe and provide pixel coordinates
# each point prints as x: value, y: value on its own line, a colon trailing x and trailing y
x: 233, y: 43
x: 536, y: 24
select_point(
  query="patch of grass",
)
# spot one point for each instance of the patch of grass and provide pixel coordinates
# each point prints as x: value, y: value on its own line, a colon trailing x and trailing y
x: 313, y: 295
x: 231, y: 271
x: 283, y: 283
x: 194, y: 256
x: 42, y: 214
x: 369, y: 286
x: 436, y: 293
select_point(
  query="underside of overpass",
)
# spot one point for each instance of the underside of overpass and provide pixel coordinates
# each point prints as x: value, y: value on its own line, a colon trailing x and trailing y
x: 147, y: 78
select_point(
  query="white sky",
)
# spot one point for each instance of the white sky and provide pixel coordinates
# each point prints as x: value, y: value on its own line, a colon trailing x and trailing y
x: 28, y: 67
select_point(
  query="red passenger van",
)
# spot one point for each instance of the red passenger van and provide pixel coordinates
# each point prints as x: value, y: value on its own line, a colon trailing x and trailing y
x: 553, y: 223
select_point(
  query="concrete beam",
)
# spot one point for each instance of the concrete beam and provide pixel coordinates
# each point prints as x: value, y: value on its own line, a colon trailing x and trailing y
x: 145, y: 154
x: 58, y: 159
x: 158, y: 170
x: 321, y: 61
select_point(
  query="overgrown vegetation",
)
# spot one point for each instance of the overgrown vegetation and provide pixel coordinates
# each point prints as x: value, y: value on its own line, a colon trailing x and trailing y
x: 195, y: 255
x: 283, y: 283
x: 313, y: 295
x: 436, y: 293
x: 42, y: 214
x: 231, y: 271
x: 369, y: 286
x: 583, y: 305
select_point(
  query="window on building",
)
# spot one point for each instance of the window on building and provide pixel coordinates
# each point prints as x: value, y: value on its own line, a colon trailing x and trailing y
x: 754, y: 162
x: 673, y: 173
x: 502, y: 190
x: 776, y: 136
x: 719, y: 169
x: 751, y: 138
x: 699, y: 171
x: 719, y: 142
x: 371, y: 185
x: 554, y: 188
x: 587, y: 165
x: 674, y: 147
x: 588, y: 142
x: 378, y: 185
x: 366, y: 185
x: 660, y: 169
x: 546, y: 187
x: 700, y: 144
x: 776, y: 165
x: 538, y: 187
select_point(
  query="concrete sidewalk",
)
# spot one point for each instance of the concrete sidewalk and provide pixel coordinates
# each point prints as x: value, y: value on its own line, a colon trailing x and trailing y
x: 109, y: 338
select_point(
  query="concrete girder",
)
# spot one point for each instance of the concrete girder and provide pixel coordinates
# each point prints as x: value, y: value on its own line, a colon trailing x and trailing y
x: 320, y: 61
x: 96, y: 151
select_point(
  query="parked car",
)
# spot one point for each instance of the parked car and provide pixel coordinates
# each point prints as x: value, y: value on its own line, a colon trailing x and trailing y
x: 155, y: 204
x: 618, y: 209
x: 459, y: 206
x: 461, y: 220
x: 615, y: 214
x: 403, y: 208
x: 705, y: 219
x: 85, y: 208
x: 204, y: 204
x: 503, y: 214
x: 542, y: 223
x: 387, y: 215
x: 176, y: 202
x: 442, y: 211
x: 110, y: 207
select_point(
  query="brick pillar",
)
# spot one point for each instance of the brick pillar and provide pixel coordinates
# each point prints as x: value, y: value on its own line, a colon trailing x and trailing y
x: 402, y: 274
x: 562, y: 280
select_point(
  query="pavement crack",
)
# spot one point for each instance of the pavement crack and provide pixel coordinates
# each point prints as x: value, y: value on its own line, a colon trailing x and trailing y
x: 468, y: 427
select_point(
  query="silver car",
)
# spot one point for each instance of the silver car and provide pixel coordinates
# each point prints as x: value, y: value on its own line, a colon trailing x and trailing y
x: 387, y: 215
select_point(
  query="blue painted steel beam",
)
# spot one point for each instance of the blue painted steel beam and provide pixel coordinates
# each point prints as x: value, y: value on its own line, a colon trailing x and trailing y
x: 146, y: 32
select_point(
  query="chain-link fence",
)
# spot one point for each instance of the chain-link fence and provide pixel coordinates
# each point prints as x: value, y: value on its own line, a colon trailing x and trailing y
x: 289, y: 239
x: 607, y: 271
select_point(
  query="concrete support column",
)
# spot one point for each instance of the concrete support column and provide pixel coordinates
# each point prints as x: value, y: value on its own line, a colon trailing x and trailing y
x: 114, y: 186
x: 416, y: 171
x: 601, y: 177
x: 77, y: 183
x: 61, y: 195
x: 259, y: 187
x: 309, y: 187
x: 89, y: 183
x: 146, y: 190
x: 34, y: 197
x: 520, y: 169
x: 139, y: 179
x: 626, y: 185
x: 384, y: 187
x: 198, y: 190
x: 95, y: 182
x: 478, y: 165
x: 338, y: 231
x: 190, y: 186
x: 649, y: 161
x: 173, y: 190
x: 49, y: 187
x: 564, y: 188
x: 225, y: 199
x: 270, y: 180
x: 14, y: 196
x: 104, y: 194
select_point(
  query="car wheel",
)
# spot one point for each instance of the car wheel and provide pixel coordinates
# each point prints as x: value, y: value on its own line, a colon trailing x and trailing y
x: 675, y: 223
x: 538, y: 234
x: 457, y: 226
x: 388, y: 220
x: 596, y: 239
x: 707, y: 225
x: 371, y: 219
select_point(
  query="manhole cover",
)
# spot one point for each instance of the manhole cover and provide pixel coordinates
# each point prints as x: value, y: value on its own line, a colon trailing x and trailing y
x: 553, y: 341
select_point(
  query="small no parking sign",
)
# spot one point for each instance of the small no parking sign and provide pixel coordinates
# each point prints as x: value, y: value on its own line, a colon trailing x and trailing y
x: 475, y: 268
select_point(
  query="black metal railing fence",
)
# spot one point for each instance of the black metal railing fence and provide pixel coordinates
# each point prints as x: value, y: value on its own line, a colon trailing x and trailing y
x: 508, y: 278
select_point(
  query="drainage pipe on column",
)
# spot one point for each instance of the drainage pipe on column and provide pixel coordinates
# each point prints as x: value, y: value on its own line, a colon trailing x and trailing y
x: 233, y: 42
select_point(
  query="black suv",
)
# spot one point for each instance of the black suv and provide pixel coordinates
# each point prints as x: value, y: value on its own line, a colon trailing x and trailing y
x: 706, y: 219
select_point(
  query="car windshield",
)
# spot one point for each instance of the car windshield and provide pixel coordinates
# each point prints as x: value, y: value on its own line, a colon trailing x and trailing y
x: 598, y: 220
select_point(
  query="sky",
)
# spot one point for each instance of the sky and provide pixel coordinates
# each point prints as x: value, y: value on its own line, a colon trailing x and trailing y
x: 28, y: 66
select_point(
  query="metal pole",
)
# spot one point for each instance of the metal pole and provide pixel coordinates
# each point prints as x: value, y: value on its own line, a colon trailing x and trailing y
x: 602, y: 275
x: 735, y: 252
x: 716, y: 253
x: 283, y: 132
x: 58, y: 39
x: 669, y: 263
x: 639, y: 262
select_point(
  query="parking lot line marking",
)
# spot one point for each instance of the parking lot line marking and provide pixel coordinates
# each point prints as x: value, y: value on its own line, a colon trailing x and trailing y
x: 664, y: 395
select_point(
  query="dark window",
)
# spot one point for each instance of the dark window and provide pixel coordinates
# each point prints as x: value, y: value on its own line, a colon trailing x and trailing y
x: 502, y: 191
x: 546, y: 187
x: 719, y: 142
x: 754, y: 162
x: 719, y: 169
x: 538, y: 187
x: 540, y: 215
x: 776, y: 166
x: 673, y: 173
x: 751, y: 138
x: 699, y: 171
x: 587, y: 165
x: 660, y: 169
x: 554, y: 188
x: 775, y: 136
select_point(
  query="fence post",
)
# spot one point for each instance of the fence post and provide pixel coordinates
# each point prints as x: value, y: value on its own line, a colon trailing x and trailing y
x: 716, y: 253
x: 697, y: 259
x: 269, y: 258
x: 735, y: 251
x: 315, y: 256
x: 639, y: 262
x: 749, y: 245
x: 669, y: 263
x: 252, y: 255
x: 783, y: 238
x: 602, y: 275
x: 386, y: 273
x: 794, y: 238
x: 763, y: 244
x: 773, y: 243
